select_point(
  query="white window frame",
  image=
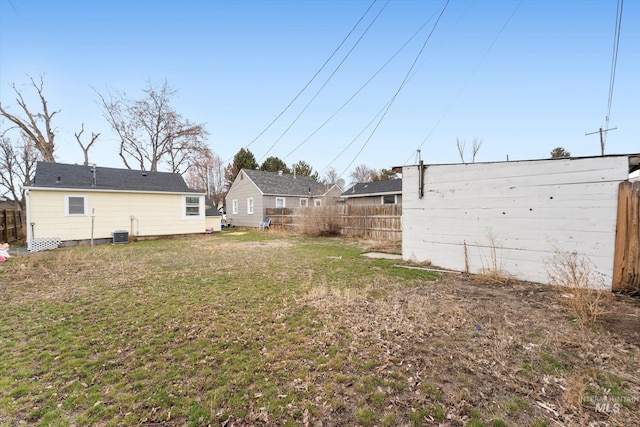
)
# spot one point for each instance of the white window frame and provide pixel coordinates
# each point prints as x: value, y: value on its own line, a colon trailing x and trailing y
x: 395, y: 199
x: 304, y: 202
x: 317, y: 202
x: 186, y: 205
x: 234, y: 207
x: 250, y: 206
x: 190, y: 205
x: 284, y: 202
x: 75, y: 196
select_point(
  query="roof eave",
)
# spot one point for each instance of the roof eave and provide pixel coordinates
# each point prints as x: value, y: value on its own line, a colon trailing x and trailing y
x: 111, y: 190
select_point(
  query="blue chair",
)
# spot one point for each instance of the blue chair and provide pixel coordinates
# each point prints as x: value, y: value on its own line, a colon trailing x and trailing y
x: 265, y: 224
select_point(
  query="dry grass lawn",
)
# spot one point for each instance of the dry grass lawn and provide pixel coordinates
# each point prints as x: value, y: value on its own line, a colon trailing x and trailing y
x: 268, y: 329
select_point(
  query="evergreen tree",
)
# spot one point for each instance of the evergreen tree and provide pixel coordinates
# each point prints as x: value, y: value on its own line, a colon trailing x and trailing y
x: 274, y: 164
x: 559, y: 153
x: 303, y: 168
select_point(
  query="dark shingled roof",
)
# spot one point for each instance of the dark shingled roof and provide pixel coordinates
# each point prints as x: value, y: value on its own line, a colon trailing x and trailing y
x: 210, y: 208
x: 387, y: 186
x: 271, y: 183
x: 61, y: 175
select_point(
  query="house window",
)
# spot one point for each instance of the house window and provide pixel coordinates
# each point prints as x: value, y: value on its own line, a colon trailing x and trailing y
x: 389, y: 200
x: 304, y: 203
x: 75, y: 205
x: 317, y: 202
x: 234, y: 207
x: 280, y: 202
x: 192, y: 205
x: 250, y: 206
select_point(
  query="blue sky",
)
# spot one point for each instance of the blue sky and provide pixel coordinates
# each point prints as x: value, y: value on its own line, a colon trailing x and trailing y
x: 522, y: 76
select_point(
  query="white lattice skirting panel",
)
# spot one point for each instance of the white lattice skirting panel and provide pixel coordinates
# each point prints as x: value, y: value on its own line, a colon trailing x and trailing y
x: 44, y: 244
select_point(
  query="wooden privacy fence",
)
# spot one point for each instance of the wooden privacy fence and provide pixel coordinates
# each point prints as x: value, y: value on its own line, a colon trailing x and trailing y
x: 375, y: 222
x: 11, y: 225
x: 626, y: 260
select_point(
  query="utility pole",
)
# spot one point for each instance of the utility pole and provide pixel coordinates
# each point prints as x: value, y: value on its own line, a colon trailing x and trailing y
x: 601, y: 132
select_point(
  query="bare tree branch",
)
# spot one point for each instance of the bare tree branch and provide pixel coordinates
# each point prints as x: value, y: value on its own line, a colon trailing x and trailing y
x: 461, y: 146
x: 363, y: 173
x: 152, y: 133
x: 331, y: 176
x: 475, y: 148
x: 30, y: 125
x: 207, y: 175
x: 17, y: 165
x: 85, y: 149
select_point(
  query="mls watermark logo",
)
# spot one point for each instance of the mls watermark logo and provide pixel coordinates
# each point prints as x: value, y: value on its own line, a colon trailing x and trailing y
x: 612, y: 405
x: 608, y: 407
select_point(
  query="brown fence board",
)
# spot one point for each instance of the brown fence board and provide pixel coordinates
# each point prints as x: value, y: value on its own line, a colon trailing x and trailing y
x: 626, y: 264
x: 376, y: 222
x: 11, y: 225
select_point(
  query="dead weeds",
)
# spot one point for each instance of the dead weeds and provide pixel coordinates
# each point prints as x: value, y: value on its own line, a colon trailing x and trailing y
x: 487, y: 352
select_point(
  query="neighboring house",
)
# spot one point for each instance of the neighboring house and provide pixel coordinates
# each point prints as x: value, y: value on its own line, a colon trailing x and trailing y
x: 76, y: 202
x: 253, y: 191
x: 388, y: 191
x: 512, y: 218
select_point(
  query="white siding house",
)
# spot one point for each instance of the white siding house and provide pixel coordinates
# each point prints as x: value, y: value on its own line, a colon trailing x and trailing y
x: 76, y: 202
x: 512, y: 215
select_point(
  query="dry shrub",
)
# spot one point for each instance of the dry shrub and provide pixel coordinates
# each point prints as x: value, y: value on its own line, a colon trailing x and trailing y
x: 318, y: 221
x: 579, y: 286
x: 574, y: 390
x: 492, y: 269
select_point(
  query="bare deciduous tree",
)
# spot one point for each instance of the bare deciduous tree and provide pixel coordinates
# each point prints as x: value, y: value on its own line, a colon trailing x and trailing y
x: 363, y: 173
x: 331, y: 176
x: 152, y: 133
x: 17, y: 165
x: 85, y: 149
x: 31, y: 123
x: 461, y: 146
x: 207, y: 175
x: 475, y: 147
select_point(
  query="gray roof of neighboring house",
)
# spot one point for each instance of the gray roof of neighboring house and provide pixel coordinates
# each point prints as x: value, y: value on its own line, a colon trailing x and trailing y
x: 61, y: 175
x: 387, y: 186
x: 210, y: 208
x: 272, y: 183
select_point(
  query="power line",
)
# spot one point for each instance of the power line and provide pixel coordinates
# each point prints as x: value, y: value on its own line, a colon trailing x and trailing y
x: 373, y: 76
x: 614, y: 61
x: 475, y: 69
x: 404, y: 82
x: 314, y: 76
x: 327, y: 81
x: 356, y: 137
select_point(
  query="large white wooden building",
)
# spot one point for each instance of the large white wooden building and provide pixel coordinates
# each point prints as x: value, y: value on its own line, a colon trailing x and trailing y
x: 513, y: 216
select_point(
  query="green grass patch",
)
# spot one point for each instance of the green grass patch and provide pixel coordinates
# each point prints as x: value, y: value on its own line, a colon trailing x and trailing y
x: 418, y: 416
x: 517, y: 405
x: 254, y: 329
x: 365, y: 417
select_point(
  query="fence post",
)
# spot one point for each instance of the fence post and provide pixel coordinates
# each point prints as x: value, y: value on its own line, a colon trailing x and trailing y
x: 366, y: 222
x: 3, y: 224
